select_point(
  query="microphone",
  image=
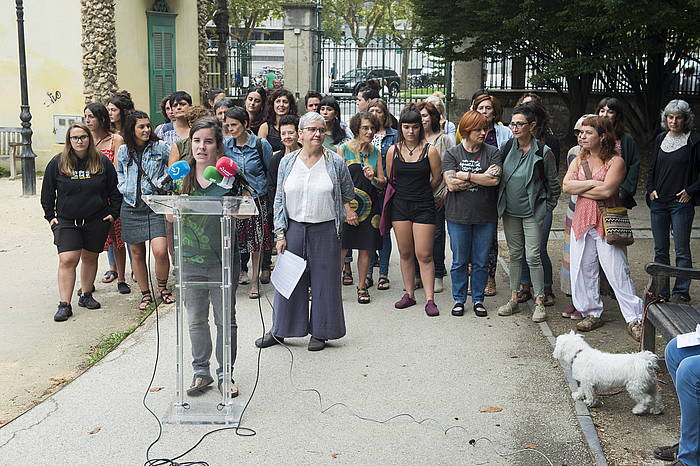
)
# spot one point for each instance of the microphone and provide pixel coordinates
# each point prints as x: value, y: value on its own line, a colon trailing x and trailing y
x: 211, y: 174
x: 177, y: 171
x: 228, y: 168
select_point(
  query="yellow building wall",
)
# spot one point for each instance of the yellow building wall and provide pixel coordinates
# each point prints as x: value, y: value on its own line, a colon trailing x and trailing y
x: 132, y: 48
x: 55, y: 78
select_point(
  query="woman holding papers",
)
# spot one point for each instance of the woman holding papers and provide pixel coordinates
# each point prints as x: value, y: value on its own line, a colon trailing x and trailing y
x: 314, y: 190
x: 201, y: 259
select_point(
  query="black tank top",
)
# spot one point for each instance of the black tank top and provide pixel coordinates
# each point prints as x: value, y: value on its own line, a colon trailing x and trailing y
x: 413, y: 178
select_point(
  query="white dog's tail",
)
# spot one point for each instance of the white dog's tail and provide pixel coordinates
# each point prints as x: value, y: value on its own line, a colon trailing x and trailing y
x: 647, y: 361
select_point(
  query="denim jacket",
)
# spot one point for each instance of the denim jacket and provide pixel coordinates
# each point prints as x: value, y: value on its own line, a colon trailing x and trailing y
x: 250, y: 165
x: 154, y: 162
x: 343, y: 188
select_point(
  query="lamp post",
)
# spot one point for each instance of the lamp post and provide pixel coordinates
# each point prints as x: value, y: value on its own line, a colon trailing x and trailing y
x: 27, y: 155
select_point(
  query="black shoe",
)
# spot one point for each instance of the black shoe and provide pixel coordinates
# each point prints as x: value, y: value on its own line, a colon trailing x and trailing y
x: 65, y: 310
x: 86, y: 300
x: 316, y: 345
x: 458, y: 310
x: 80, y: 290
x: 268, y: 340
x: 123, y: 288
x: 680, y: 298
x: 480, y: 310
x: 667, y: 453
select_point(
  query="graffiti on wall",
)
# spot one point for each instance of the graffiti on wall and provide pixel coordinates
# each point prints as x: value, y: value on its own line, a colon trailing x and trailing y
x: 53, y: 97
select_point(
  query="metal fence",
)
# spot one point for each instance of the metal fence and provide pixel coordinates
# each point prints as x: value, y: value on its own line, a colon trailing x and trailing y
x: 400, y: 74
x: 239, y: 64
x: 518, y: 73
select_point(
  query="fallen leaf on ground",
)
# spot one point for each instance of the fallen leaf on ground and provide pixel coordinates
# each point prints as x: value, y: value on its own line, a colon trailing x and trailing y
x: 364, y: 375
x: 58, y: 380
x: 491, y: 409
x: 155, y: 389
x: 4, y: 421
x: 3, y: 250
x: 530, y: 446
x: 95, y: 430
x: 334, y: 455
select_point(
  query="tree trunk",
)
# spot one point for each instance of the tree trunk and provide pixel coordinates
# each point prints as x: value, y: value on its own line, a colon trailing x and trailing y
x: 405, y: 60
x: 360, y: 54
x: 221, y: 21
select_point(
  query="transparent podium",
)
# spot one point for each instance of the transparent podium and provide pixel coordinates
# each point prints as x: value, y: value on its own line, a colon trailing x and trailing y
x: 204, y: 238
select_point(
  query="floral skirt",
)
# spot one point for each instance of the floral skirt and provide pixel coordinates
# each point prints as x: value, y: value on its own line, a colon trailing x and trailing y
x: 255, y: 233
x: 114, y: 237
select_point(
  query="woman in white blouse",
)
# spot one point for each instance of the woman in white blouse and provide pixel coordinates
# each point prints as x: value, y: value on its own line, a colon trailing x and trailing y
x: 314, y: 190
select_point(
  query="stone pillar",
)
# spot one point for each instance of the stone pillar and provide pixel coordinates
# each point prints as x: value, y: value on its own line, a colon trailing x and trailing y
x: 467, y: 79
x: 99, y: 50
x: 300, y: 37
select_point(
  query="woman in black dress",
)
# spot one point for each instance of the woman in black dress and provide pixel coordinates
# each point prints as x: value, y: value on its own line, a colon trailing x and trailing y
x: 280, y: 103
x: 364, y: 162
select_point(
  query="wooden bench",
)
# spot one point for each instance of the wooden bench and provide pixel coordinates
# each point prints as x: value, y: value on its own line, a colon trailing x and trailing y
x: 10, y: 147
x: 669, y: 319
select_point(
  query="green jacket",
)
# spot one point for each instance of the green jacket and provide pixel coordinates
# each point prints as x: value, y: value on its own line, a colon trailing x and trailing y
x: 543, y: 194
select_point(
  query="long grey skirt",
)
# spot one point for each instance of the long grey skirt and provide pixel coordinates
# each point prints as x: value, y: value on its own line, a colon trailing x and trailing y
x: 319, y: 244
x: 140, y: 223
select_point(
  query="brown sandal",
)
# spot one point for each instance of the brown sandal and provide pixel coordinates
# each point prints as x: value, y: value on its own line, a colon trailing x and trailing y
x: 164, y: 293
x: 524, y: 295
x: 146, y: 300
x: 363, y: 296
x: 347, y: 278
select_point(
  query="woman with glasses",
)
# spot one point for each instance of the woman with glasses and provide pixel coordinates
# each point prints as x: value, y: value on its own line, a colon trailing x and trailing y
x: 80, y: 199
x: 529, y: 189
x: 414, y: 167
x: 364, y: 163
x: 314, y: 190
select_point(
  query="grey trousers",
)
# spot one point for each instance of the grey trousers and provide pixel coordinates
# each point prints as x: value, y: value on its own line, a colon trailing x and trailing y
x: 523, y: 237
x: 197, y: 301
x: 319, y: 244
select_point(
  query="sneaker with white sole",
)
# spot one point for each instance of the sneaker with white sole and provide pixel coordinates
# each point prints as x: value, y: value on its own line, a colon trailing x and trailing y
x: 439, y: 286
x: 509, y: 308
x: 539, y: 314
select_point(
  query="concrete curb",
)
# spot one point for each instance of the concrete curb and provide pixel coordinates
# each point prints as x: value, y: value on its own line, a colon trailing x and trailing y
x: 582, y: 412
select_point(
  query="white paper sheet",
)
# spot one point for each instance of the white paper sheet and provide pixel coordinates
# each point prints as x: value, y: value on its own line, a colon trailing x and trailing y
x: 288, y: 270
x: 689, y: 339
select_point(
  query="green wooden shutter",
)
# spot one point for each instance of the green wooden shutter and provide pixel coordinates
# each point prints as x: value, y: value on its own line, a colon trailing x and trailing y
x: 161, y: 60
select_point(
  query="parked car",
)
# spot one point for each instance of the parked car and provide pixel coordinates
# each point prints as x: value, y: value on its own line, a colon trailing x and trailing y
x: 354, y: 80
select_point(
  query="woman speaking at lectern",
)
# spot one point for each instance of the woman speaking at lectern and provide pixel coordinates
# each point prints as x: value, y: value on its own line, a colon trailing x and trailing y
x: 314, y: 190
x: 201, y: 258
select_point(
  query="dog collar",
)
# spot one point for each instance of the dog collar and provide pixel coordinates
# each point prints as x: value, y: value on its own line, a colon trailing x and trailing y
x: 577, y: 352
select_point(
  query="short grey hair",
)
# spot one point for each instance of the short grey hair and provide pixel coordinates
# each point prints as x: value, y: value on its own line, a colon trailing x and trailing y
x: 227, y: 102
x: 308, y: 117
x: 682, y: 107
x: 437, y: 101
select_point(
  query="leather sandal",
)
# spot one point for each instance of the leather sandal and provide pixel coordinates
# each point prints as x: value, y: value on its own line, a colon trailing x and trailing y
x: 347, y: 278
x: 165, y: 295
x: 383, y: 283
x: 146, y: 300
x: 524, y: 295
x: 109, y: 276
x: 363, y: 296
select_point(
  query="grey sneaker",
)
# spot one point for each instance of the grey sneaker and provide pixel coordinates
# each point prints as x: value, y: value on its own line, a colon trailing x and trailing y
x: 508, y: 309
x: 635, y: 330
x: 86, y: 300
x: 539, y: 314
x: 439, y: 286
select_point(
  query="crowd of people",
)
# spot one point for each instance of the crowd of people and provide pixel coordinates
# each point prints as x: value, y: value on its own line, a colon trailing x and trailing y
x: 327, y: 186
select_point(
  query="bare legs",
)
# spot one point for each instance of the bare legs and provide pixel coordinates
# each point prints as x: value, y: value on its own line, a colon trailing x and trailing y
x: 416, y: 239
x: 67, y: 264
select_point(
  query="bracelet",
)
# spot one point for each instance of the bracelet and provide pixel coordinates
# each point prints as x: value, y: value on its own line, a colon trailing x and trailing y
x: 279, y: 236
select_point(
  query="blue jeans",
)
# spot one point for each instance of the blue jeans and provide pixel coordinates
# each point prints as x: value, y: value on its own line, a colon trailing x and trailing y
x: 544, y: 256
x: 385, y: 254
x: 676, y: 216
x: 470, y: 244
x: 684, y: 367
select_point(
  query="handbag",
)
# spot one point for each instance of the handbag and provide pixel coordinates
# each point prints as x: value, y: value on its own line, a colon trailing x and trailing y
x: 616, y: 221
x: 385, y: 219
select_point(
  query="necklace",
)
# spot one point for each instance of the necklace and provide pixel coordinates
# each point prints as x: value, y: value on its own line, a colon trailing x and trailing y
x: 97, y: 144
x: 410, y: 151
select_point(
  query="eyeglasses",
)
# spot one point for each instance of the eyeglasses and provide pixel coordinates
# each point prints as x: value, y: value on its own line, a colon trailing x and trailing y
x: 366, y: 129
x: 518, y: 124
x: 313, y: 130
x: 82, y: 138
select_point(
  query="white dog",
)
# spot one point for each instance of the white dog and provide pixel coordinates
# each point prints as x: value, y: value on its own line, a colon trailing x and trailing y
x: 595, y: 371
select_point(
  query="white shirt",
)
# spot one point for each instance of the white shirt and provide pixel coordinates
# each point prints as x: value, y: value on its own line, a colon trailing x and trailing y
x: 309, y: 193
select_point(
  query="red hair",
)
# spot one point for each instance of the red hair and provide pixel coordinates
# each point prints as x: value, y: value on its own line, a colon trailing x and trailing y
x: 471, y: 121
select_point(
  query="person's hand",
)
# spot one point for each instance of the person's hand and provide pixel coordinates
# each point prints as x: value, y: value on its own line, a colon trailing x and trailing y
x: 683, y: 196
x: 53, y: 221
x: 352, y: 218
x: 281, y: 245
x: 109, y: 218
x: 653, y: 195
x: 493, y: 170
x: 369, y: 173
x: 458, y: 185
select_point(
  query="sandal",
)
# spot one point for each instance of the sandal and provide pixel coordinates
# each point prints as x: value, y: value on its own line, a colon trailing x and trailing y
x: 363, y: 296
x: 164, y: 293
x: 347, y: 278
x: 254, y: 293
x: 146, y: 300
x: 490, y: 289
x: 524, y: 295
x: 369, y: 281
x: 549, y: 299
x: 109, y: 276
x: 383, y: 283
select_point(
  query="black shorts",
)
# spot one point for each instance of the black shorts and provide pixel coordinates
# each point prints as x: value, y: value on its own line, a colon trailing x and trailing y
x: 413, y: 211
x: 74, y: 235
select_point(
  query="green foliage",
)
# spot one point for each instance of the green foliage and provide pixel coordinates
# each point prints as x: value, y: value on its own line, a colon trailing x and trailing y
x: 244, y: 17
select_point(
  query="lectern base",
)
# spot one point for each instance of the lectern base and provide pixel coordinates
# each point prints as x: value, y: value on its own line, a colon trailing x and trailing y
x: 204, y: 412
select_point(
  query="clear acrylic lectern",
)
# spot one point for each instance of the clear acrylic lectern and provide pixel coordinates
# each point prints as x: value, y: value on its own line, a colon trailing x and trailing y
x: 191, y: 216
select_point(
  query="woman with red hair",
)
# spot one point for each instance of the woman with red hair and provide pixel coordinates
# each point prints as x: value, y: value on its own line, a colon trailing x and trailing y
x: 472, y: 172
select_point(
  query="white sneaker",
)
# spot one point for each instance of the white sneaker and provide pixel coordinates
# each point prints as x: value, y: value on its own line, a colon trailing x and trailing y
x: 539, y: 314
x: 508, y: 309
x: 439, y: 286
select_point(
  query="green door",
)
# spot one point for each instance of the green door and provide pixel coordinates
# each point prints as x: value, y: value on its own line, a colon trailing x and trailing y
x: 161, y: 60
